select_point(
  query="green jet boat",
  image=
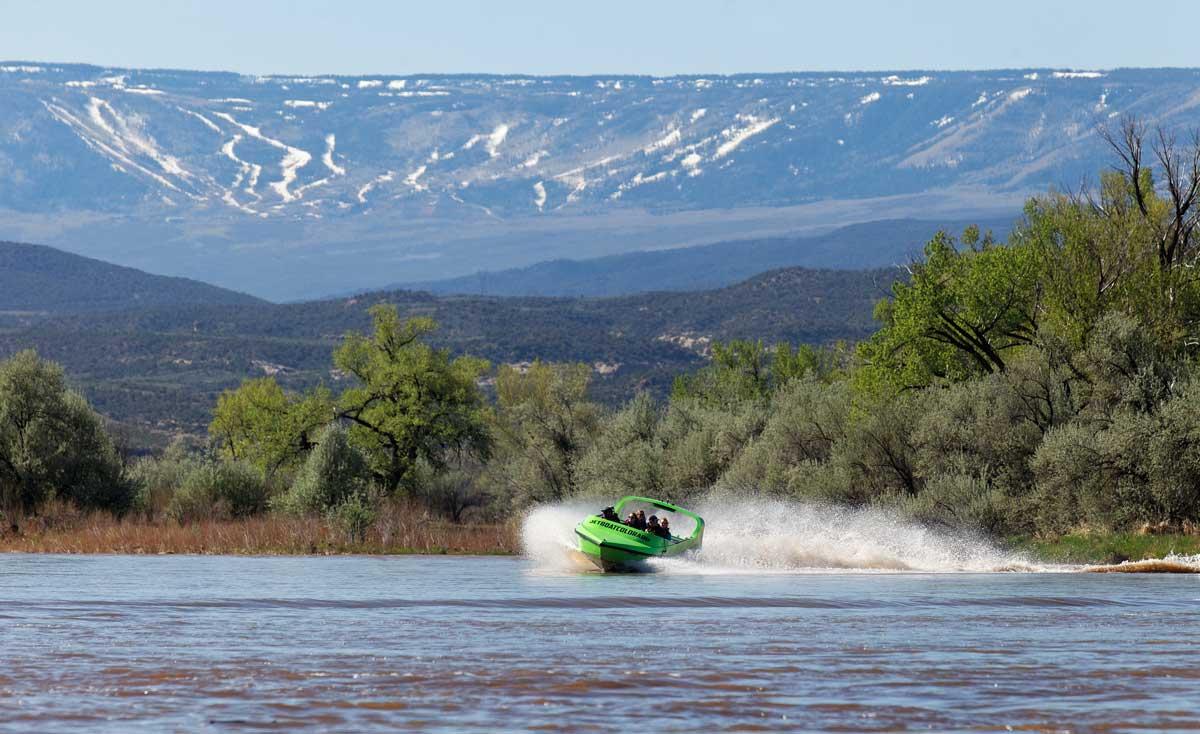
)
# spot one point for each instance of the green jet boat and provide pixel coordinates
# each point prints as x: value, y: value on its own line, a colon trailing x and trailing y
x: 615, y: 546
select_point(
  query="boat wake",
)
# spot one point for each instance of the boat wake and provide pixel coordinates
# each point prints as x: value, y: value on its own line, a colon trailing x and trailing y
x: 776, y: 536
x: 1170, y: 564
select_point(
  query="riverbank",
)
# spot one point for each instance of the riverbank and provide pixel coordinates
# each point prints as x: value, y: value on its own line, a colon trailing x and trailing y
x: 1107, y: 548
x: 402, y: 531
x: 262, y: 535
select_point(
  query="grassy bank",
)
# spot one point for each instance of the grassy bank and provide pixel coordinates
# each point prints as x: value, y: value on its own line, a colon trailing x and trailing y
x: 1107, y: 548
x: 262, y: 535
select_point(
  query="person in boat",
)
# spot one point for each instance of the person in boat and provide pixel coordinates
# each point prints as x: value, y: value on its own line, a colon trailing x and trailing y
x: 664, y: 526
x: 641, y: 520
x: 608, y: 513
x: 631, y: 521
x: 653, y: 527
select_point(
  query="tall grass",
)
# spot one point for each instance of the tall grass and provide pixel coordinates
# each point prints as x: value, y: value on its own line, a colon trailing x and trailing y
x: 401, y: 527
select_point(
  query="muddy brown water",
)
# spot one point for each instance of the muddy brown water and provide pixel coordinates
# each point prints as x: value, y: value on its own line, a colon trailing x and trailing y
x: 179, y: 643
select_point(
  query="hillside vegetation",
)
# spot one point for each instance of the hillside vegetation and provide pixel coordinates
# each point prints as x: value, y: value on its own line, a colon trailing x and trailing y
x: 42, y: 280
x: 161, y: 368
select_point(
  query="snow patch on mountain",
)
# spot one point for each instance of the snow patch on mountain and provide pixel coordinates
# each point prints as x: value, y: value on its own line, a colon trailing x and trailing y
x: 292, y: 162
x: 1077, y: 74
x: 735, y: 136
x: 306, y: 103
x: 671, y: 138
x: 367, y: 187
x: 896, y: 81
x: 495, y: 139
x: 293, y: 159
x: 207, y: 122
x: 411, y: 179
x: 327, y: 156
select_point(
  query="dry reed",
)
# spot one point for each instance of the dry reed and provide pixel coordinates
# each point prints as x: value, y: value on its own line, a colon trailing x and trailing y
x: 400, y: 528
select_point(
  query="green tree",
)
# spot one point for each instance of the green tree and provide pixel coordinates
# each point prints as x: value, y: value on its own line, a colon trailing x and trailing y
x: 52, y: 444
x: 740, y: 371
x: 261, y: 424
x: 748, y: 371
x: 960, y: 313
x: 544, y: 423
x: 627, y: 454
x: 411, y: 402
x: 1129, y: 245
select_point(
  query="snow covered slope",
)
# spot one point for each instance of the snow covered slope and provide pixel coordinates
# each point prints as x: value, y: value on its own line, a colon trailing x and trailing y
x: 214, y: 174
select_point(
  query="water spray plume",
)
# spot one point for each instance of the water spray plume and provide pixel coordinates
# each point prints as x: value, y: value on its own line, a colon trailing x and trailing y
x: 764, y: 535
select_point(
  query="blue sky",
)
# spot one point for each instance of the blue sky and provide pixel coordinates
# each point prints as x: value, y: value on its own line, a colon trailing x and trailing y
x: 600, y: 36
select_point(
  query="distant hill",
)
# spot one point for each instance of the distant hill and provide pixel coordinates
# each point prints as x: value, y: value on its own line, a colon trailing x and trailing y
x: 858, y: 246
x: 42, y: 280
x: 300, y: 185
x: 161, y: 368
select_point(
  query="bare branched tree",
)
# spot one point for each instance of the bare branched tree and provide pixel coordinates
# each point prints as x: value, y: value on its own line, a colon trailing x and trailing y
x: 1179, y: 184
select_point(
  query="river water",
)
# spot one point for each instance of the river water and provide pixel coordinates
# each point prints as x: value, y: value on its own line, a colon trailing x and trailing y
x: 181, y: 643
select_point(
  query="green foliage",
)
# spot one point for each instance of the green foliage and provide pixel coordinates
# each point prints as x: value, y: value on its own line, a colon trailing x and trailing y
x: 627, y: 454
x: 747, y: 371
x: 217, y: 490
x: 1113, y: 254
x: 261, y: 424
x: 157, y: 478
x: 807, y: 418
x: 700, y: 442
x: 960, y: 502
x: 52, y: 444
x: 462, y: 488
x: 332, y: 473
x: 411, y: 402
x: 544, y: 423
x: 959, y: 315
x: 354, y: 516
x: 739, y: 371
x: 1108, y: 547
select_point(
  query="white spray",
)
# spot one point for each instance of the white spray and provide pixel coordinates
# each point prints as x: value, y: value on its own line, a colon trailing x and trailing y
x: 776, y: 536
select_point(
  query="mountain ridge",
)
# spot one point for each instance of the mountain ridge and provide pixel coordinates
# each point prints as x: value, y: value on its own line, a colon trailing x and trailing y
x: 41, y: 279
x: 865, y: 246
x: 290, y: 186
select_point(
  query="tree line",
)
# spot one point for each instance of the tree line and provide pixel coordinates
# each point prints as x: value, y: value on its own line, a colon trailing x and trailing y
x: 1044, y: 384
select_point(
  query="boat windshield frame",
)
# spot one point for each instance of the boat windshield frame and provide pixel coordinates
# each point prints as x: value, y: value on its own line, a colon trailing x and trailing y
x: 665, y: 506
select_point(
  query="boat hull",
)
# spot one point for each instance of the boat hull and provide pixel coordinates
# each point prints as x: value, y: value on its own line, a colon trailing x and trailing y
x: 615, y: 547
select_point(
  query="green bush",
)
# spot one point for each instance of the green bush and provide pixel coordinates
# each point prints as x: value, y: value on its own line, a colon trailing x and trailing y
x: 878, y: 453
x: 960, y: 502
x: 983, y: 427
x: 354, y: 516
x: 627, y: 455
x: 218, y: 490
x: 332, y: 472
x: 805, y: 421
x: 700, y: 441
x: 156, y: 479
